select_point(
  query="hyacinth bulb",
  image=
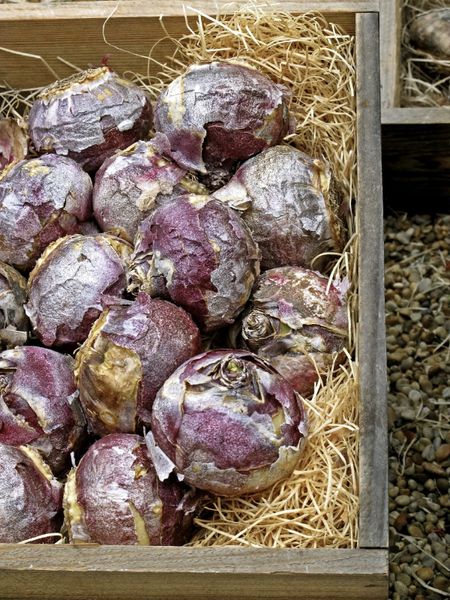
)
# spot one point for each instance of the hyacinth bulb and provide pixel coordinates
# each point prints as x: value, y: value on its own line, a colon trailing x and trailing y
x: 71, y: 284
x: 13, y: 142
x: 218, y: 113
x: 201, y: 255
x: 89, y: 228
x: 41, y: 200
x: 30, y: 497
x: 130, y: 352
x: 39, y: 403
x: 298, y: 322
x: 89, y: 116
x: 288, y: 201
x: 430, y: 33
x: 13, y: 295
x: 227, y: 423
x: 115, y: 497
x: 131, y: 184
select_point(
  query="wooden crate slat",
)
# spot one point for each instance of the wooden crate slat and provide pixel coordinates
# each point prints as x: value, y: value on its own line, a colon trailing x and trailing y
x: 139, y: 572
x: 91, y: 9
x: 416, y: 116
x: 390, y: 49
x: 371, y: 357
x: 51, y: 38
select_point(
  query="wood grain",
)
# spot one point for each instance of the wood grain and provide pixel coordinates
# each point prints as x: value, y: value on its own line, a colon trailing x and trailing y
x: 81, y: 45
x: 49, y: 31
x: 390, y: 52
x: 372, y: 357
x: 416, y: 166
x: 137, y: 572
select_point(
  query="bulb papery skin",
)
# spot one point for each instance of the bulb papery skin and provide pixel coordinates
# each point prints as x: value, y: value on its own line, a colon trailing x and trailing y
x: 131, y: 184
x: 39, y: 404
x: 298, y: 322
x: 430, y: 33
x: 71, y: 284
x: 13, y: 295
x: 289, y: 202
x: 89, y: 228
x: 114, y: 497
x: 13, y: 142
x: 218, y: 113
x: 30, y: 497
x: 130, y: 352
x: 89, y: 116
x: 200, y: 254
x: 227, y: 423
x: 41, y: 200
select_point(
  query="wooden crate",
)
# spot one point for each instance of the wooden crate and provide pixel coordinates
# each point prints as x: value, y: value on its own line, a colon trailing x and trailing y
x: 416, y: 141
x: 114, y: 572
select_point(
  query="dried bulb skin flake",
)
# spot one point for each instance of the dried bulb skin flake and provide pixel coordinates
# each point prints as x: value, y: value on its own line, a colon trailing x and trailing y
x: 13, y: 295
x: 200, y: 254
x: 89, y: 116
x: 13, y: 142
x: 41, y: 200
x: 129, y: 354
x: 114, y: 497
x: 39, y: 403
x: 287, y: 200
x: 72, y: 282
x: 30, y: 497
x: 131, y: 184
x: 218, y: 113
x: 296, y: 321
x: 227, y: 423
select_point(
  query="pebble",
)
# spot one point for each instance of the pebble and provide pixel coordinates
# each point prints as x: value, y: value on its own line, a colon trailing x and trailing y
x: 430, y: 485
x: 429, y: 453
x: 415, y: 396
x: 418, y: 409
x: 433, y: 468
x: 403, y: 500
x: 441, y: 583
x: 442, y: 484
x: 425, y: 573
x: 400, y: 521
x: 415, y: 531
x: 393, y: 491
x: 404, y: 578
x: 443, y: 452
x: 401, y: 588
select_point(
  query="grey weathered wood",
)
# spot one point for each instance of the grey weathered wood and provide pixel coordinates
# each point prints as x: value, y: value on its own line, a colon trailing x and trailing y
x: 133, y: 8
x: 371, y: 354
x: 416, y: 116
x: 390, y: 51
x: 109, y: 572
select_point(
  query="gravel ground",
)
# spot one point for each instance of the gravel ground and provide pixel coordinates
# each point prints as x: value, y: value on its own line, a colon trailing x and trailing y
x: 418, y: 333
